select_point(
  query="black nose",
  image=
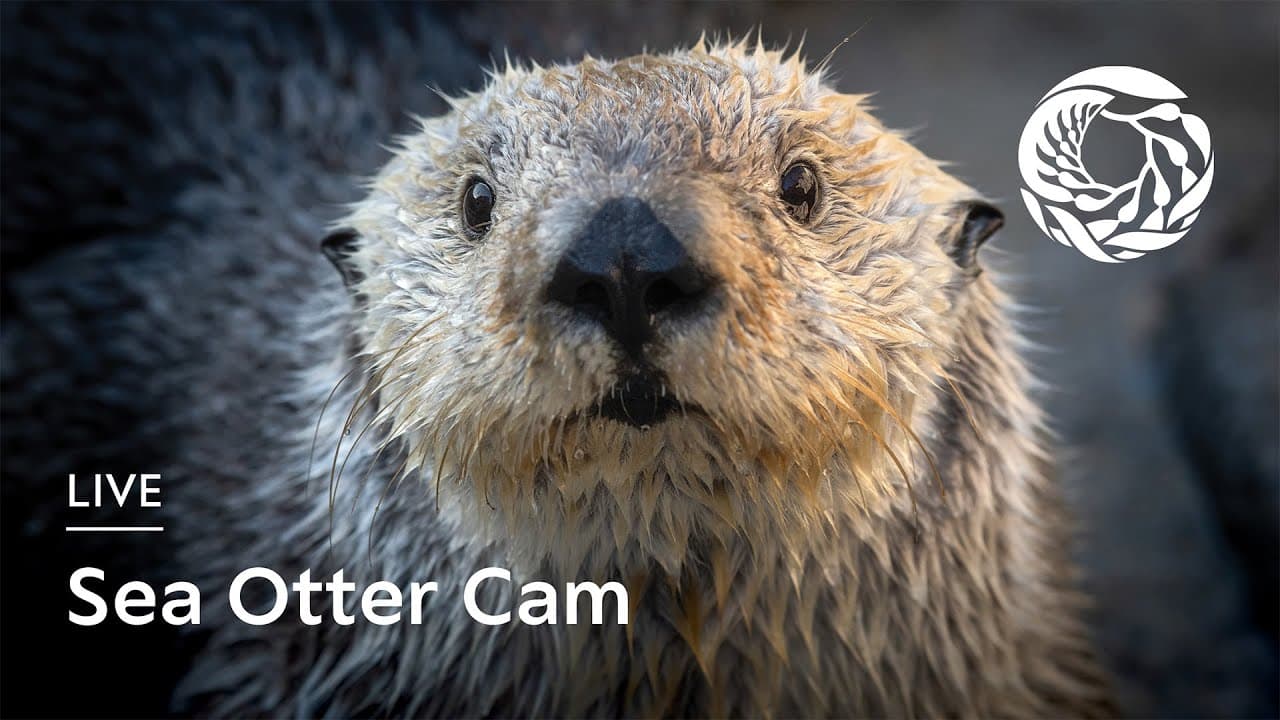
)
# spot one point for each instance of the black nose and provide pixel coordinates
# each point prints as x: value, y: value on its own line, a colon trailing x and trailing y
x: 627, y: 271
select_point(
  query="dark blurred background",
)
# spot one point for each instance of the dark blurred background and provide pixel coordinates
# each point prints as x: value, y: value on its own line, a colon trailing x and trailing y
x: 1160, y: 374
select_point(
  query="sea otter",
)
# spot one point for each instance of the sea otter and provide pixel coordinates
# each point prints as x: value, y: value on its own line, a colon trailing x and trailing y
x: 693, y: 322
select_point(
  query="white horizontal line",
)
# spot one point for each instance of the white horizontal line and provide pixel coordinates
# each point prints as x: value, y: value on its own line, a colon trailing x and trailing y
x: 114, y: 528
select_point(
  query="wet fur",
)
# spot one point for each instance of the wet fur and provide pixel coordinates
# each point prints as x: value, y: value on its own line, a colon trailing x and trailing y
x: 857, y: 523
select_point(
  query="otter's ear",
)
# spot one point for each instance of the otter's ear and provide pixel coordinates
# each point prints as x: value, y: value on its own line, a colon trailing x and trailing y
x: 981, y: 221
x: 339, y: 247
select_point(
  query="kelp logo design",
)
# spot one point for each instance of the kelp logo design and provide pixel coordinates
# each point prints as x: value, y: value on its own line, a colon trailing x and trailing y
x: 1109, y: 223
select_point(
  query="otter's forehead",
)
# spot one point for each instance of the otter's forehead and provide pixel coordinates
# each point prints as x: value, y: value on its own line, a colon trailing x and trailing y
x: 711, y: 109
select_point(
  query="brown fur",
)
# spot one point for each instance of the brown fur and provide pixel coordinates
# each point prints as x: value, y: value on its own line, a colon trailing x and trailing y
x: 856, y: 523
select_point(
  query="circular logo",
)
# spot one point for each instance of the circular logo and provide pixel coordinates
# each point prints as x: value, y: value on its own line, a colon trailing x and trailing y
x: 1114, y: 223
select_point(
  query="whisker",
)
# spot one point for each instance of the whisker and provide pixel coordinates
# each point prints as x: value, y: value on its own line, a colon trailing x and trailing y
x: 395, y: 432
x: 409, y: 342
x: 394, y: 480
x: 378, y: 417
x: 440, y: 471
x: 367, y: 394
x: 361, y: 400
x: 315, y: 435
x: 324, y: 408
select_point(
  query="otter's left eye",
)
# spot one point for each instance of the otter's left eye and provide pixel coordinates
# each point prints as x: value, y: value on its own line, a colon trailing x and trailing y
x: 799, y: 191
x: 477, y: 207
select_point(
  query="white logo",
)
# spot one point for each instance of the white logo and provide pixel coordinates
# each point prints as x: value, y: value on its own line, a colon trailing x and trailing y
x: 1114, y: 223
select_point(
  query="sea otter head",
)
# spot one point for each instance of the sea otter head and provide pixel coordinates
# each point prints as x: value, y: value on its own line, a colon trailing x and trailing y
x: 654, y: 300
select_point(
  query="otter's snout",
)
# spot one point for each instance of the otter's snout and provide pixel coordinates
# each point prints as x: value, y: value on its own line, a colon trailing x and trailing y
x: 628, y: 272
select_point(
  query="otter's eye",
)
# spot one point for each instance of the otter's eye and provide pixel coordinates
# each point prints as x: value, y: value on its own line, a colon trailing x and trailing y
x: 477, y: 207
x: 799, y: 191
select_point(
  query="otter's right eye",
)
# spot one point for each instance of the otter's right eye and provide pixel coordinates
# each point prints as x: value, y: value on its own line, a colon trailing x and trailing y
x: 477, y: 207
x: 799, y: 191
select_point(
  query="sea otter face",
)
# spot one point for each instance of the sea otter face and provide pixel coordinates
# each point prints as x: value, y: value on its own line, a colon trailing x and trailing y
x: 695, y: 271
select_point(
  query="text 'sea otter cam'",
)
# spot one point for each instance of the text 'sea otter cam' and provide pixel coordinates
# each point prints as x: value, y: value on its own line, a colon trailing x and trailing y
x: 260, y: 596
